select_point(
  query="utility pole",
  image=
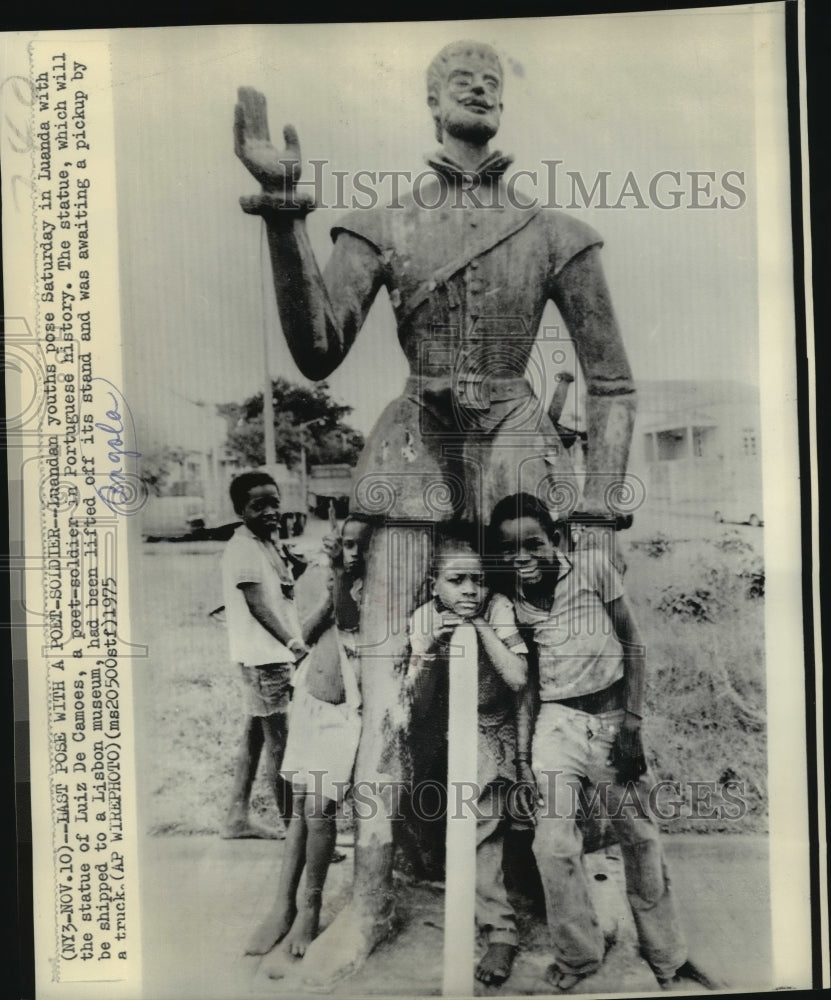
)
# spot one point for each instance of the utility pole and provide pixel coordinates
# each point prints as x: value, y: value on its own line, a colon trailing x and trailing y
x: 269, y: 440
x: 304, y: 476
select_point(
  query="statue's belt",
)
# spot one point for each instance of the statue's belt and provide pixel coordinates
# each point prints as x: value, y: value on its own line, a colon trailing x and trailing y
x: 468, y: 389
x: 488, y: 239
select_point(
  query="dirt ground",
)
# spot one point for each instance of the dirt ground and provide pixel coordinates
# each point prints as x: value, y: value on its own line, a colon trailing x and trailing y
x: 206, y: 895
x: 202, y: 895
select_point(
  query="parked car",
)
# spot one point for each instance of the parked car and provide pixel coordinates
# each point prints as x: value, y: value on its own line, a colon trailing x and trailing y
x: 212, y: 518
x: 746, y: 509
x: 329, y: 483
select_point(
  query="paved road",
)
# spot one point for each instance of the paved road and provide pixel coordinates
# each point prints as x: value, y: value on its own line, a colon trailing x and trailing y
x: 688, y: 521
x: 681, y: 522
x: 202, y: 897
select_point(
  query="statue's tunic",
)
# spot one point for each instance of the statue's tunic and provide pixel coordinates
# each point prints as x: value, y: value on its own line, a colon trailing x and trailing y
x: 468, y: 280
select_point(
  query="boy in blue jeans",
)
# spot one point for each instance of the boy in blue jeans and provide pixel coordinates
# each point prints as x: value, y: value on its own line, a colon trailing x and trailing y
x: 581, y: 722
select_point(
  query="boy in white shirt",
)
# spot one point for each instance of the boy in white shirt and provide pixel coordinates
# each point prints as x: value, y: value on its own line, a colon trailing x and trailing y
x: 265, y: 640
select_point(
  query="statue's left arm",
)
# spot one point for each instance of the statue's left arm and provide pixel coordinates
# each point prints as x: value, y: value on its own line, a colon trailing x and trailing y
x: 580, y: 292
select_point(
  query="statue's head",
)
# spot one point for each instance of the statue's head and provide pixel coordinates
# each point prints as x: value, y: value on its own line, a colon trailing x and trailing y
x: 464, y: 91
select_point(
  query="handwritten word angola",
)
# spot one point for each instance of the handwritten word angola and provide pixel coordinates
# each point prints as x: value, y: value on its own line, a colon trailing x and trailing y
x: 124, y: 492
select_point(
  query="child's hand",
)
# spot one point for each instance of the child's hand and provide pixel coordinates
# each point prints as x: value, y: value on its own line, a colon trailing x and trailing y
x: 332, y: 546
x: 627, y: 756
x: 525, y: 794
x: 443, y: 625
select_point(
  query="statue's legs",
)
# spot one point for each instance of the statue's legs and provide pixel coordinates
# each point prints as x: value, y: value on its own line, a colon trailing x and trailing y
x: 397, y: 567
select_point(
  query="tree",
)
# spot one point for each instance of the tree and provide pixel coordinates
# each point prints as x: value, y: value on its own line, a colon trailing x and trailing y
x: 328, y: 440
x: 158, y: 464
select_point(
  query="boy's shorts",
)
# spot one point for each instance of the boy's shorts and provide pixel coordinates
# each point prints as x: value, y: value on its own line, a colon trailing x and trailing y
x: 267, y: 688
x: 321, y: 745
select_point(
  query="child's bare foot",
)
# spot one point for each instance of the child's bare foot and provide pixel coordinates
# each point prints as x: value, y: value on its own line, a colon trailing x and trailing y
x: 242, y: 828
x: 277, y: 964
x: 496, y: 964
x: 304, y: 930
x: 273, y: 929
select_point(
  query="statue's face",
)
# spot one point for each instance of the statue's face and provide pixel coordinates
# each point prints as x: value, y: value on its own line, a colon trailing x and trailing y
x: 468, y: 105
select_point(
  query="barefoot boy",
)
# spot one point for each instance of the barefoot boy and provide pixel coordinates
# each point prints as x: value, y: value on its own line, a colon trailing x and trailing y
x: 588, y: 729
x: 265, y: 640
x: 460, y: 594
x: 324, y: 731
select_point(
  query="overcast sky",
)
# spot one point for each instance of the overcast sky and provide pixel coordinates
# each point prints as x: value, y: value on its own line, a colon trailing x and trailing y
x: 627, y: 93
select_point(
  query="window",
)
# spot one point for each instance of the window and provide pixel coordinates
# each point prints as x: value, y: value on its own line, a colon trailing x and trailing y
x: 749, y: 441
x: 704, y: 442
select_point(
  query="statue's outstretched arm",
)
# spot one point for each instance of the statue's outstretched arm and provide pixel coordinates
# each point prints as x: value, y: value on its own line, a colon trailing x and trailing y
x: 582, y: 296
x: 320, y: 313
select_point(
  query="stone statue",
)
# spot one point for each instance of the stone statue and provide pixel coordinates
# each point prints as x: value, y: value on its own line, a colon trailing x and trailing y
x: 468, y: 280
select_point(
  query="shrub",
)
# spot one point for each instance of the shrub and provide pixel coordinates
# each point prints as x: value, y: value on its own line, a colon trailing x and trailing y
x: 732, y: 541
x: 753, y: 573
x: 700, y: 604
x: 711, y: 589
x: 656, y: 546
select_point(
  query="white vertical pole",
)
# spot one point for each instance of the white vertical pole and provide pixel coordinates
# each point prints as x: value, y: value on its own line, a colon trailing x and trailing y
x: 460, y: 879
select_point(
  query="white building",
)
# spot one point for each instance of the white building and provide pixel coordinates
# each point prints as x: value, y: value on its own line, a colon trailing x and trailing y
x: 697, y: 442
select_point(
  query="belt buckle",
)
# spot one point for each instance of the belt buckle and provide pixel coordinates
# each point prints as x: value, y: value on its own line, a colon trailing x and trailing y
x: 472, y: 391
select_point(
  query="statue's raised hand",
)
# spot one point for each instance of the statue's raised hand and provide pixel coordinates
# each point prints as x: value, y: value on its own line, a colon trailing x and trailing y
x: 277, y: 171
